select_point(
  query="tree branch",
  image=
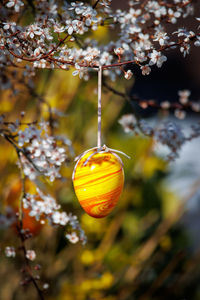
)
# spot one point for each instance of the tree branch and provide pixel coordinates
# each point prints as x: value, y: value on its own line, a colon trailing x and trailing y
x: 95, y: 4
x: 27, y: 264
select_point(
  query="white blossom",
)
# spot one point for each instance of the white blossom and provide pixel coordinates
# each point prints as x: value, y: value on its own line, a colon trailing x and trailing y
x: 30, y: 254
x: 16, y: 4
x: 185, y: 49
x: 72, y: 237
x: 10, y: 251
x: 45, y: 286
x: 140, y: 56
x: 165, y: 104
x: 197, y: 42
x: 119, y: 51
x: 128, y: 74
x: 183, y: 96
x: 128, y: 122
x: 60, y: 218
x: 160, y: 36
x: 156, y: 9
x: 195, y: 106
x: 180, y: 114
x: 157, y: 58
x: 33, y: 30
x: 24, y: 136
x: 145, y: 70
x: 173, y: 15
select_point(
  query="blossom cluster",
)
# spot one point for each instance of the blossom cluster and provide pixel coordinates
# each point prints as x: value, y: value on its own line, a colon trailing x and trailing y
x: 44, y: 207
x: 179, y: 107
x: 43, y: 156
x: 10, y: 251
x: 58, y: 37
x: 39, y: 154
x: 169, y: 134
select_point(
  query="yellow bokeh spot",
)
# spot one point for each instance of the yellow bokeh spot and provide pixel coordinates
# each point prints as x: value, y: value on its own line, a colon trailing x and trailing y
x: 165, y: 242
x: 169, y: 206
x: 96, y: 284
x: 86, y: 285
x: 87, y: 257
x: 153, y: 164
x: 101, y: 33
x: 92, y: 225
x: 59, y: 94
x: 6, y: 104
x: 106, y: 280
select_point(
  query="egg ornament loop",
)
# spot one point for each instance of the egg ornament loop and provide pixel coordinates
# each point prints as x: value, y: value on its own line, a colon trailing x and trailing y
x: 98, y: 180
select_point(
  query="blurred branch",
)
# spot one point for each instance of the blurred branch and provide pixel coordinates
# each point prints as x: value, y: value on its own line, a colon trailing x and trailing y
x: 166, y: 272
x: 191, y: 269
x: 22, y: 192
x: 143, y: 103
x: 146, y: 250
x: 108, y: 240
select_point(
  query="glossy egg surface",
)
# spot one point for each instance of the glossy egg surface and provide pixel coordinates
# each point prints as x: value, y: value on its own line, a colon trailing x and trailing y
x: 98, y: 180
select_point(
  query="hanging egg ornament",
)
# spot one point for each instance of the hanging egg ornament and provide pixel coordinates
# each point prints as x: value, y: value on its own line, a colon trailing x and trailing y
x: 98, y: 180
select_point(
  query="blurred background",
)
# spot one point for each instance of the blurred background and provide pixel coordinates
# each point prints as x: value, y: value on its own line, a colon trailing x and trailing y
x: 149, y: 247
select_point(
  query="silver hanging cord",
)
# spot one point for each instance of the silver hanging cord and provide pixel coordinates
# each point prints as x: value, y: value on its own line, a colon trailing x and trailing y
x: 99, y: 148
x: 99, y: 107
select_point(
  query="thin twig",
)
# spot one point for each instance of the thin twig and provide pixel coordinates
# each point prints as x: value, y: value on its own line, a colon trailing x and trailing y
x: 28, y: 267
x: 54, y: 48
x: 95, y: 4
x: 21, y: 150
x: 22, y: 191
x: 144, y: 103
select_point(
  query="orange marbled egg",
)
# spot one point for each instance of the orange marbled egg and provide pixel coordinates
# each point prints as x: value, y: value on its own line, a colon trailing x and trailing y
x: 98, y: 180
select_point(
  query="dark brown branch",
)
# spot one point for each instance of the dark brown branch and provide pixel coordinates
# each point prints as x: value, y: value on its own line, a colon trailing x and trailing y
x: 51, y: 59
x: 42, y: 100
x: 54, y: 48
x: 116, y: 92
x: 21, y: 150
x: 95, y: 4
x: 149, y: 103
x: 21, y: 123
x: 23, y: 237
x: 28, y: 267
x: 174, y: 5
x: 35, y: 58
